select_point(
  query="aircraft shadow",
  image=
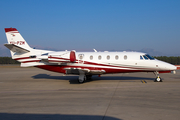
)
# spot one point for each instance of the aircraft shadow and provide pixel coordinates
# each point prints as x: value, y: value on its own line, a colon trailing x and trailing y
x: 73, y: 79
x: 25, y: 116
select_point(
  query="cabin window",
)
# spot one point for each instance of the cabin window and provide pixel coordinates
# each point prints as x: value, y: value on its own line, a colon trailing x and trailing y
x: 108, y: 57
x: 81, y: 56
x: 116, y: 57
x: 91, y: 57
x: 99, y: 57
x: 125, y: 57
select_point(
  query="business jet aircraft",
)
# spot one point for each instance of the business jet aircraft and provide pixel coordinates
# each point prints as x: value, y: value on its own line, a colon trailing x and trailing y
x: 84, y: 64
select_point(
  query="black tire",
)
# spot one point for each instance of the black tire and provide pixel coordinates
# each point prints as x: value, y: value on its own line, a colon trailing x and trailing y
x: 88, y: 77
x: 80, y: 81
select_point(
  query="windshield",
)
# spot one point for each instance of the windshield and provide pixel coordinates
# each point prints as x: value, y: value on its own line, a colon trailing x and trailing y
x: 145, y: 57
x: 149, y: 57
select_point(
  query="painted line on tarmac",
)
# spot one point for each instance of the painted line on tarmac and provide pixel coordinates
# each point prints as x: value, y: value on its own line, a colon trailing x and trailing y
x: 143, y: 81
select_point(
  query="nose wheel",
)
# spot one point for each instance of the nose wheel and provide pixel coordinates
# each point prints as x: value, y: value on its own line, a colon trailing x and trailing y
x: 158, y: 79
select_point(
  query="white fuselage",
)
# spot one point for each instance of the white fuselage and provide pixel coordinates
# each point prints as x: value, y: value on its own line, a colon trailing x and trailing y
x: 109, y: 62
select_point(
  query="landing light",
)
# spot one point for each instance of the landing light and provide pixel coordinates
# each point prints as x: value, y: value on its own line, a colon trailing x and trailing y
x: 173, y: 72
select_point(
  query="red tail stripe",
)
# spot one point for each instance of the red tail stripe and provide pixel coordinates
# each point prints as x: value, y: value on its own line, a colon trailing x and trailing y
x: 10, y: 29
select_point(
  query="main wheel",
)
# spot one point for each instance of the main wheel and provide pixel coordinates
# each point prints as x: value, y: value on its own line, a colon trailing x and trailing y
x: 82, y: 80
x: 88, y: 77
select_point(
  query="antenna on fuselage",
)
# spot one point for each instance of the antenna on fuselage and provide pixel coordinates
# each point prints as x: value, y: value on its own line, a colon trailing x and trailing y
x: 95, y: 50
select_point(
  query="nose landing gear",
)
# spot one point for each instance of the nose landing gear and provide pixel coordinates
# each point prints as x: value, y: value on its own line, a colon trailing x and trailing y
x: 158, y: 79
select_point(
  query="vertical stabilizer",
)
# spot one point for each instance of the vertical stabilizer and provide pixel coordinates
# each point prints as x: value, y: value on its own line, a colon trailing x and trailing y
x: 15, y: 38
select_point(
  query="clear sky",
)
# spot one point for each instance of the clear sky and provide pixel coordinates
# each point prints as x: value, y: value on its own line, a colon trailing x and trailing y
x: 99, y: 24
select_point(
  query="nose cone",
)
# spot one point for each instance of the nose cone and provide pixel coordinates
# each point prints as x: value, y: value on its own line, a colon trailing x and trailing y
x: 166, y: 66
x: 170, y: 67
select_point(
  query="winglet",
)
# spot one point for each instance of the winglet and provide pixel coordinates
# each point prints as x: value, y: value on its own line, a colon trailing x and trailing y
x: 95, y: 50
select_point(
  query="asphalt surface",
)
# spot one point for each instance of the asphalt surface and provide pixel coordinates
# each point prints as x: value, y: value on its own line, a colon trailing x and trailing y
x: 35, y: 94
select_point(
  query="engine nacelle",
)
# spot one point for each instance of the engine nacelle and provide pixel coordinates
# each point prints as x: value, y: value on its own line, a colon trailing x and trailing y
x: 62, y: 57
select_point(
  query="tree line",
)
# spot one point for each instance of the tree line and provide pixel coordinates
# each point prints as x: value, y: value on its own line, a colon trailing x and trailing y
x: 8, y: 60
x: 173, y: 60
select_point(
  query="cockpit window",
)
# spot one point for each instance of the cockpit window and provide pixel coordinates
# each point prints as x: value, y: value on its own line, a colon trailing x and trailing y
x: 151, y: 58
x: 145, y: 57
x: 141, y: 57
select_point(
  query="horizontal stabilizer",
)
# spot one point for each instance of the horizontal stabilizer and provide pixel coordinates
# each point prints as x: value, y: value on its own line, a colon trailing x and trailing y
x: 31, y: 64
x: 27, y: 65
x: 15, y: 48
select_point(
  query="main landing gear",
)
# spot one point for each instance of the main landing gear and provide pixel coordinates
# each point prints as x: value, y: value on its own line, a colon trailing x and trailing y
x: 83, y: 77
x: 158, y: 79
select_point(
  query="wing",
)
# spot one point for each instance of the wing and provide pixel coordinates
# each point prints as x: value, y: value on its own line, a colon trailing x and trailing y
x: 86, y: 71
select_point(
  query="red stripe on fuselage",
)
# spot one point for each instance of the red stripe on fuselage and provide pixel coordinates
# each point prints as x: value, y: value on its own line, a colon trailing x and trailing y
x: 83, y: 65
x: 117, y: 66
x: 59, y: 61
x: 22, y: 58
x: 54, y: 68
x: 164, y: 71
x: 91, y: 63
x: 60, y: 69
x: 31, y: 61
x: 95, y: 65
x: 28, y: 59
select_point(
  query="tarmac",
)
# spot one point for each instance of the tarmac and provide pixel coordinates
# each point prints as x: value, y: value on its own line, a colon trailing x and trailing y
x: 35, y: 94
